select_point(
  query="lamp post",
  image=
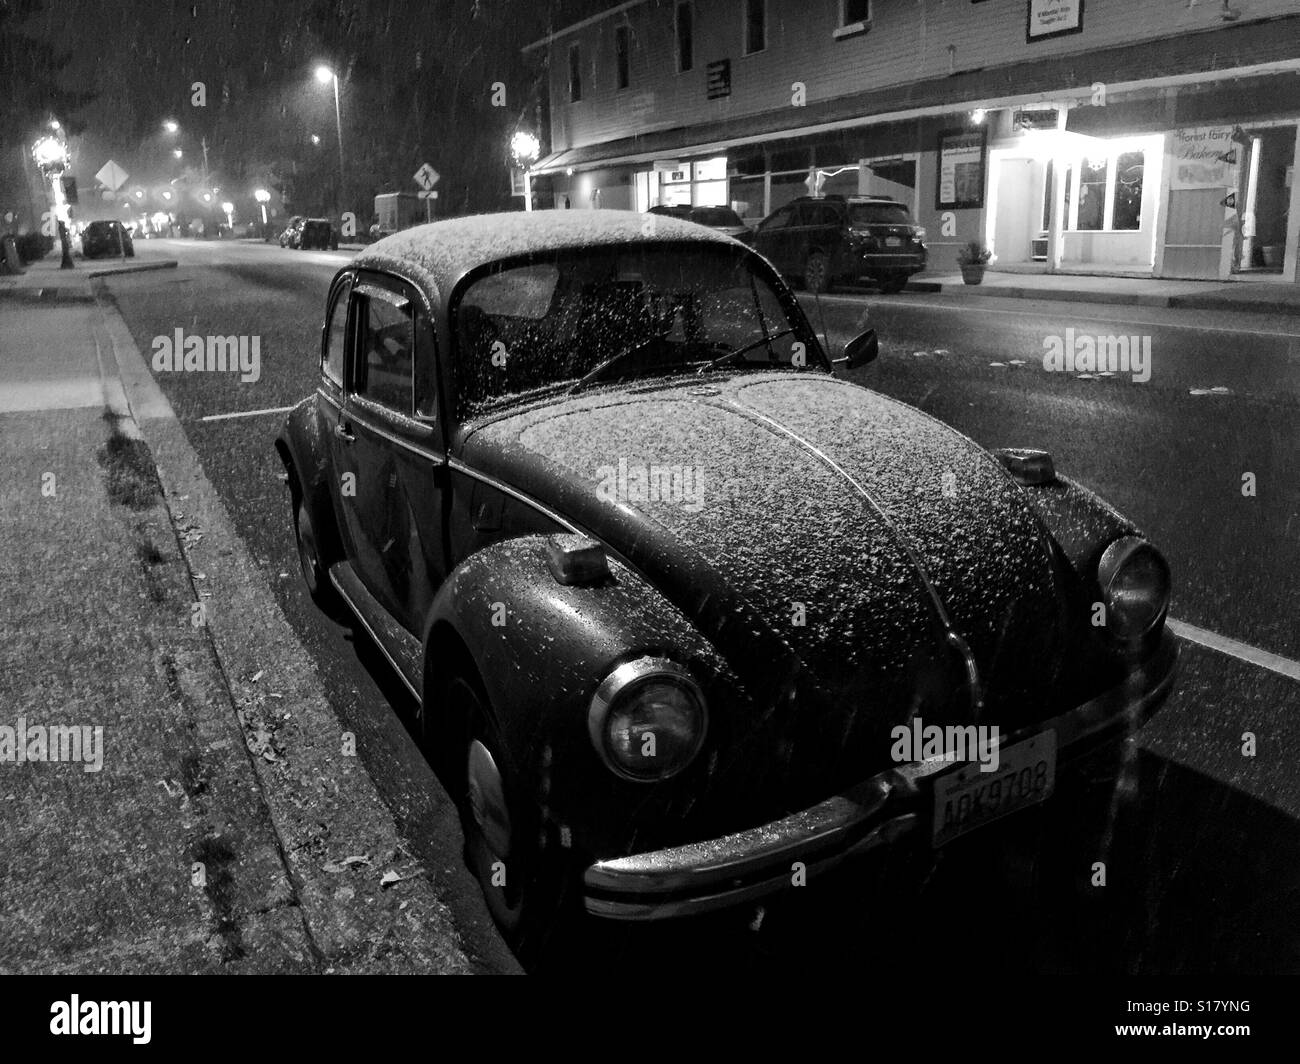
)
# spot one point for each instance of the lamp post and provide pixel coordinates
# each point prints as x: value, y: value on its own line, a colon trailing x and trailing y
x: 525, y: 148
x: 51, y: 156
x: 263, y: 197
x: 325, y: 75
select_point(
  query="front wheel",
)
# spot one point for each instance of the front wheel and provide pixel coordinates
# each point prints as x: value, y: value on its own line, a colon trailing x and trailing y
x: 523, y: 883
x: 817, y: 273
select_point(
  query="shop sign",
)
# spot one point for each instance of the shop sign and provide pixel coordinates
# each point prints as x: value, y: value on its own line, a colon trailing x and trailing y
x: 961, y: 169
x: 1053, y: 18
x: 1205, y: 157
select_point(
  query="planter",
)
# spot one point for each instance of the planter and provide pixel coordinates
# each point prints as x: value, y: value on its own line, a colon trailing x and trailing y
x: 973, y: 274
x: 1272, y: 254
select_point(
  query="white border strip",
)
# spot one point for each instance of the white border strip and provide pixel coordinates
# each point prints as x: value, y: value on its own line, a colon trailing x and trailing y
x: 247, y: 413
x: 1243, y: 651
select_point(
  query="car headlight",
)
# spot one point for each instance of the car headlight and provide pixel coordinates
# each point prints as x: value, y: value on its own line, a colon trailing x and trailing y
x: 647, y: 719
x: 1134, y: 580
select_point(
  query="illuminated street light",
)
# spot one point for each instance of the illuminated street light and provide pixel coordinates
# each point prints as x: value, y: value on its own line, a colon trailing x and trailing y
x: 177, y: 152
x: 170, y: 126
x: 315, y: 139
x: 525, y: 147
x: 229, y: 208
x: 263, y: 197
x: 51, y: 156
x: 54, y: 125
x: 325, y: 75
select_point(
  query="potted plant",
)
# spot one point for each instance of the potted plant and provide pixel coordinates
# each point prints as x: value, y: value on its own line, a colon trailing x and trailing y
x: 973, y: 258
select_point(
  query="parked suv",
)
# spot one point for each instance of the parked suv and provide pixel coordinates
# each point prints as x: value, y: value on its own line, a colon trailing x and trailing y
x: 837, y: 238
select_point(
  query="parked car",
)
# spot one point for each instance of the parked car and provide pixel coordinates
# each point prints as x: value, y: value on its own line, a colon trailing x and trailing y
x: 318, y: 233
x: 106, y: 238
x: 723, y: 219
x: 665, y: 586
x: 822, y: 241
x: 291, y: 235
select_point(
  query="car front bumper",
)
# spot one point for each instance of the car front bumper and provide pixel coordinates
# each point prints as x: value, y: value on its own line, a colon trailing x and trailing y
x: 722, y: 873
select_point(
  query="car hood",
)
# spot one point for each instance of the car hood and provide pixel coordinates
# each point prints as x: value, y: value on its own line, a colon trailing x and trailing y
x: 830, y: 541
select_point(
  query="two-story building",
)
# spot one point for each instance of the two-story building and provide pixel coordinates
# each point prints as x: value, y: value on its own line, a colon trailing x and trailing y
x: 1145, y: 137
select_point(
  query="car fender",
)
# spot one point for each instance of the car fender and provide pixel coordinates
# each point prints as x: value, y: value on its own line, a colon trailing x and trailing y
x: 541, y: 648
x: 304, y: 453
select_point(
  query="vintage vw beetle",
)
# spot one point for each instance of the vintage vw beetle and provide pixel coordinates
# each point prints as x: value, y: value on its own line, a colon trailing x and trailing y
x: 668, y: 592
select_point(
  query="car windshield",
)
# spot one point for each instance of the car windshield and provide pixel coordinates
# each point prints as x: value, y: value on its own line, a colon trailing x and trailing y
x: 577, y: 318
x: 878, y: 214
x: 718, y: 216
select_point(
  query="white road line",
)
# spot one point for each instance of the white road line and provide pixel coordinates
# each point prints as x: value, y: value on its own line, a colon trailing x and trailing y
x: 1073, y: 303
x: 1244, y: 651
x: 247, y: 413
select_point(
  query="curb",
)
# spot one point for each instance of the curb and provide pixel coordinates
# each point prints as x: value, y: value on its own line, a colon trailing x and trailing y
x: 139, y: 267
x: 323, y: 805
x: 1135, y: 299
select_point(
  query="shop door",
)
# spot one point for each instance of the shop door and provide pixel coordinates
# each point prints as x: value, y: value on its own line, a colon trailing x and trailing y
x: 1016, y: 223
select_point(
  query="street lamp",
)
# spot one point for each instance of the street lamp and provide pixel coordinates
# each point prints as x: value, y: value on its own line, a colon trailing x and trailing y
x: 325, y: 75
x: 263, y: 197
x: 229, y: 208
x: 525, y: 147
x: 170, y: 126
x: 51, y: 156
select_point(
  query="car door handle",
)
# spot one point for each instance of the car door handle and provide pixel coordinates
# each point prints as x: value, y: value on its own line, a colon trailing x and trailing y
x: 345, y: 434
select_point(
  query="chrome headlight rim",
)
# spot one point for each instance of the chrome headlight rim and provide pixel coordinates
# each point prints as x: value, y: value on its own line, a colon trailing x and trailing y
x: 623, y: 682
x: 1118, y: 554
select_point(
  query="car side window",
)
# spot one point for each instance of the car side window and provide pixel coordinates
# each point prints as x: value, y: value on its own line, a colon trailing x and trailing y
x: 384, y: 365
x: 779, y: 220
x: 336, y: 337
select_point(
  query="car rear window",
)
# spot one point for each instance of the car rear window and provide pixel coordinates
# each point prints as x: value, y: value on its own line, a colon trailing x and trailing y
x: 878, y: 214
x: 715, y: 216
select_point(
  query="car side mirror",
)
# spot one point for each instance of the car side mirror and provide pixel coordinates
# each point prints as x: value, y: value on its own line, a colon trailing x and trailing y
x: 862, y: 349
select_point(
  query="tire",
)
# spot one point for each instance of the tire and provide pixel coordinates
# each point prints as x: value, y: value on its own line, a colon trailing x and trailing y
x: 315, y: 572
x: 893, y: 283
x: 525, y: 885
x: 817, y: 273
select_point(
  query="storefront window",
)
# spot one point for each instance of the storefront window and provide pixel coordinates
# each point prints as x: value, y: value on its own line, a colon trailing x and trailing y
x: 1129, y: 169
x: 1092, y: 195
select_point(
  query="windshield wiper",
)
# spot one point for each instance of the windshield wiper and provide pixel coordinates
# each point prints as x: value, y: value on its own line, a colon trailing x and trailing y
x: 598, y: 370
x: 722, y: 360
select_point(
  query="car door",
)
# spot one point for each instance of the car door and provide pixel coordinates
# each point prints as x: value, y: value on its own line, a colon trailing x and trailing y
x: 329, y: 392
x: 773, y: 237
x: 390, y: 440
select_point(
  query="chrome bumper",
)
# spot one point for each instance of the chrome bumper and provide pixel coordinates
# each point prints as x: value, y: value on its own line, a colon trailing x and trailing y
x: 721, y: 873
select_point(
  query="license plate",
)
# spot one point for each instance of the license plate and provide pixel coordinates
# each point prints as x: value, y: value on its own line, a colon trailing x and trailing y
x: 966, y: 798
x: 893, y: 241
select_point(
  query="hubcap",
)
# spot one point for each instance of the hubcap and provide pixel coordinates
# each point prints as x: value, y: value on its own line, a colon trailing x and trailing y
x: 487, y: 800
x: 816, y: 268
x: 307, y: 548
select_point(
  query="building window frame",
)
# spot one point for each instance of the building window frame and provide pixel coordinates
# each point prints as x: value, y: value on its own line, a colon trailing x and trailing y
x: 575, y: 72
x: 687, y: 8
x: 622, y: 57
x: 1075, y: 176
x: 746, y: 11
x: 849, y: 26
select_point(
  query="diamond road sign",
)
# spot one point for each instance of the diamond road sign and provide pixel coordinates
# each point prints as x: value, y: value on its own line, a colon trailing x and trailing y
x: 111, y: 176
x: 426, y: 177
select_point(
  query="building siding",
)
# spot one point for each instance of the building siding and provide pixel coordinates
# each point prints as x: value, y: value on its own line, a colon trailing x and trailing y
x: 909, y: 40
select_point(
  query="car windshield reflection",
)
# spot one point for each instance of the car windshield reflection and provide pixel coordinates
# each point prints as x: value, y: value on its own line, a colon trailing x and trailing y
x: 572, y: 320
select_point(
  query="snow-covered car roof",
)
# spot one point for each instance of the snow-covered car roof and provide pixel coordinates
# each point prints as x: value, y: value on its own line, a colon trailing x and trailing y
x: 440, y: 253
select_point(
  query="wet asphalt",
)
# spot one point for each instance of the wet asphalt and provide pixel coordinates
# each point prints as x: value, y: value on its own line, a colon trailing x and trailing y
x: 1201, y: 843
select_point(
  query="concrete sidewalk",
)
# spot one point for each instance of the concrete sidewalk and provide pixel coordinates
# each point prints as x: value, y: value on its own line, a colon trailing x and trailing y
x: 1251, y: 296
x: 153, y: 799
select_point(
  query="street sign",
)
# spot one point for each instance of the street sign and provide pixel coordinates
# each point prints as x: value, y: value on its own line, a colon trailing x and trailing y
x: 426, y: 177
x: 111, y: 176
x: 428, y: 195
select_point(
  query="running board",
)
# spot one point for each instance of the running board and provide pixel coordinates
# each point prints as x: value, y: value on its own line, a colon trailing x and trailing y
x: 399, y: 646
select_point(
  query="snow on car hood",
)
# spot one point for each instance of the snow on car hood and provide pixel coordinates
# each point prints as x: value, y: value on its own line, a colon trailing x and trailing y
x: 849, y: 525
